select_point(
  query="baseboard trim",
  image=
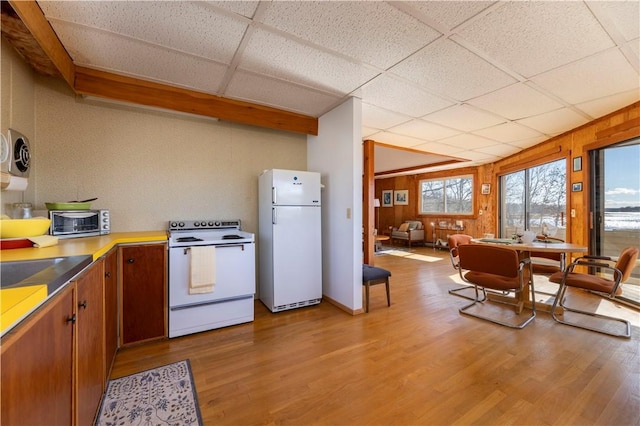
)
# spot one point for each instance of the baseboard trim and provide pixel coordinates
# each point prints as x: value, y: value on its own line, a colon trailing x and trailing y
x: 343, y: 307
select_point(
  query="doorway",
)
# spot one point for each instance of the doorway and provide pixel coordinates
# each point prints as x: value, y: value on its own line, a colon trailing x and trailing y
x: 615, y: 206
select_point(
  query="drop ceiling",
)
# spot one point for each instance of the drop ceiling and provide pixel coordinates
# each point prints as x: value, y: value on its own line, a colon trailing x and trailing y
x: 472, y: 80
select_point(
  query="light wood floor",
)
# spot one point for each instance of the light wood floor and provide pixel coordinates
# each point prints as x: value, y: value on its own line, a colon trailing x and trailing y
x: 418, y: 362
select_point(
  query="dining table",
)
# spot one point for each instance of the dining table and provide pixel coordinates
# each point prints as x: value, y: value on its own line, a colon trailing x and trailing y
x: 524, y: 252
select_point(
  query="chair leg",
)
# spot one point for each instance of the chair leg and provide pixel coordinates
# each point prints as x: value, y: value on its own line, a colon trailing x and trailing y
x: 465, y: 287
x: 367, y: 297
x: 559, y: 301
x: 521, y: 325
x: 388, y: 293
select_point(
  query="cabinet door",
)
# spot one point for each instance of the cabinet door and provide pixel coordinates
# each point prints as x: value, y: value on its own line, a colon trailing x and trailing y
x: 37, y: 365
x: 144, y: 304
x: 110, y: 308
x: 90, y: 379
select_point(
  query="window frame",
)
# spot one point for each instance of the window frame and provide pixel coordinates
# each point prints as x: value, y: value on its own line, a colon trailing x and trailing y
x: 444, y: 179
x: 525, y: 168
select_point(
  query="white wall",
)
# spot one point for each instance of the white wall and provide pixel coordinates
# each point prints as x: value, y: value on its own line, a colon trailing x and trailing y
x: 337, y: 154
x: 149, y: 167
x: 17, y: 96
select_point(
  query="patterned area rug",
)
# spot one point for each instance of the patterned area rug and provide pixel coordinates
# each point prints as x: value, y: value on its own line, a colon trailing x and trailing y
x: 161, y: 396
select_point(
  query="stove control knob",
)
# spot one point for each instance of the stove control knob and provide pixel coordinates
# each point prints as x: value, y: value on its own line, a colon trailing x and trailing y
x: 203, y: 223
x: 174, y: 224
x: 217, y: 223
x: 210, y: 223
x: 196, y: 224
x: 181, y: 224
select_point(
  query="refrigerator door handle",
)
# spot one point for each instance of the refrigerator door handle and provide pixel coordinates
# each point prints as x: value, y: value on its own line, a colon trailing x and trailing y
x: 273, y: 195
x: 274, y: 218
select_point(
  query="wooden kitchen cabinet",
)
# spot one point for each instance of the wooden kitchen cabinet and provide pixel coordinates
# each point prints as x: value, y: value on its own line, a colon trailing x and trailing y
x: 144, y: 294
x: 90, y: 349
x: 37, y: 366
x: 110, y: 308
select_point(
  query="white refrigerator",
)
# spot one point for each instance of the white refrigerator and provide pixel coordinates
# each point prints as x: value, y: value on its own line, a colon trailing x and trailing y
x: 289, y: 239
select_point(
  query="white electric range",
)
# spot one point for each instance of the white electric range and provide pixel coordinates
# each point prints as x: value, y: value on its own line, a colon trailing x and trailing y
x: 230, y: 257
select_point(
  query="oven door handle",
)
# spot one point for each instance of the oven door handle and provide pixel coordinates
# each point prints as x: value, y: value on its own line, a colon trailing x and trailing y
x: 186, y: 249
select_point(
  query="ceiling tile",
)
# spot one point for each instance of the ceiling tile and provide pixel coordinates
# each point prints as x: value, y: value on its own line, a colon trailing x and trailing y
x: 288, y: 60
x: 468, y: 141
x: 393, y: 159
x: 502, y: 150
x: 465, y: 118
x: 368, y: 132
x: 378, y: 118
x: 244, y: 8
x: 528, y: 143
x: 397, y: 140
x: 444, y: 68
x: 516, y: 101
x: 391, y: 93
x: 267, y: 91
x: 507, y: 132
x: 441, y: 148
x: 185, y: 26
x: 554, y: 122
x: 536, y: 36
x: 450, y: 14
x: 592, y: 78
x: 480, y: 157
x: 121, y: 55
x: 625, y: 16
x: 603, y: 106
x: 425, y: 130
x: 371, y: 32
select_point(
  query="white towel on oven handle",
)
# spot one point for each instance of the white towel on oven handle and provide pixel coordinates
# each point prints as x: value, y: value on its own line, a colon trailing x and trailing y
x: 203, y: 269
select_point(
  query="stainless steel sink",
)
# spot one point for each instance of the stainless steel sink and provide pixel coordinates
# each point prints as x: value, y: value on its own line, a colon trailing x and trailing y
x: 53, y: 271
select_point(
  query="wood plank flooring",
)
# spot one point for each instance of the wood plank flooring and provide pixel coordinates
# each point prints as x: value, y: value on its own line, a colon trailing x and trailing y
x: 418, y: 362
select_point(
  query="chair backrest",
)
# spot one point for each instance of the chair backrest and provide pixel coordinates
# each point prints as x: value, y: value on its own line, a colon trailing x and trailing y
x: 546, y: 255
x: 453, y: 241
x: 626, y: 262
x: 489, y: 259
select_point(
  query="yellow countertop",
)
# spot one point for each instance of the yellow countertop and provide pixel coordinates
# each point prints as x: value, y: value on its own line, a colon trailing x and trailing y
x: 17, y: 302
x: 95, y: 246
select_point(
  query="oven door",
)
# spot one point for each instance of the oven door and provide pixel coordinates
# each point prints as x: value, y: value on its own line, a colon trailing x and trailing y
x: 235, y: 275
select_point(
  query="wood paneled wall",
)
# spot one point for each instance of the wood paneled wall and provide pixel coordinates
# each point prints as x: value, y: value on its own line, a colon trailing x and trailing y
x: 619, y: 126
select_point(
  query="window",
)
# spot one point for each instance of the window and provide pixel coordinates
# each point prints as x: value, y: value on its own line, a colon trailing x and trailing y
x: 534, y: 199
x: 452, y: 196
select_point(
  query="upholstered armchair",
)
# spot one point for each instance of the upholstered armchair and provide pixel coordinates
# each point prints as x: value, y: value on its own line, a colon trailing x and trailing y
x: 411, y: 231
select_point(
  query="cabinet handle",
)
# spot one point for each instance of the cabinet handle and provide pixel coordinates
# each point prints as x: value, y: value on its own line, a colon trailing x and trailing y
x: 130, y: 260
x: 107, y: 274
x: 72, y: 319
x: 83, y: 305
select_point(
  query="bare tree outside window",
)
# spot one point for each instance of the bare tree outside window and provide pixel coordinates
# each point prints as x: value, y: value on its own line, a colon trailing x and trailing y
x: 447, y: 196
x: 535, y: 199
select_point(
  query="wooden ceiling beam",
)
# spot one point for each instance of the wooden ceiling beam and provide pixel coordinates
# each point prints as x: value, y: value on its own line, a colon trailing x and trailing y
x: 103, y: 84
x: 127, y: 89
x: 35, y: 22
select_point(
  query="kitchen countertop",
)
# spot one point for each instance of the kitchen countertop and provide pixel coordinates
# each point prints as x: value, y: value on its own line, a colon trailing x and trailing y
x: 20, y: 300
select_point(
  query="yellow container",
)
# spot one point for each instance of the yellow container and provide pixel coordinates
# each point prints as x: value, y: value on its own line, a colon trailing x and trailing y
x: 24, y: 228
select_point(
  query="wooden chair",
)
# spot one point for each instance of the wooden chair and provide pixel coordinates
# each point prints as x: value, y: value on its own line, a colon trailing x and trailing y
x: 496, y: 268
x: 372, y: 275
x: 610, y: 285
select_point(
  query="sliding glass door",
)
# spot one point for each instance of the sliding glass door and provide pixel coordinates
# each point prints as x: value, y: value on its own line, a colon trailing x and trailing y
x: 534, y: 199
x: 615, y: 205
